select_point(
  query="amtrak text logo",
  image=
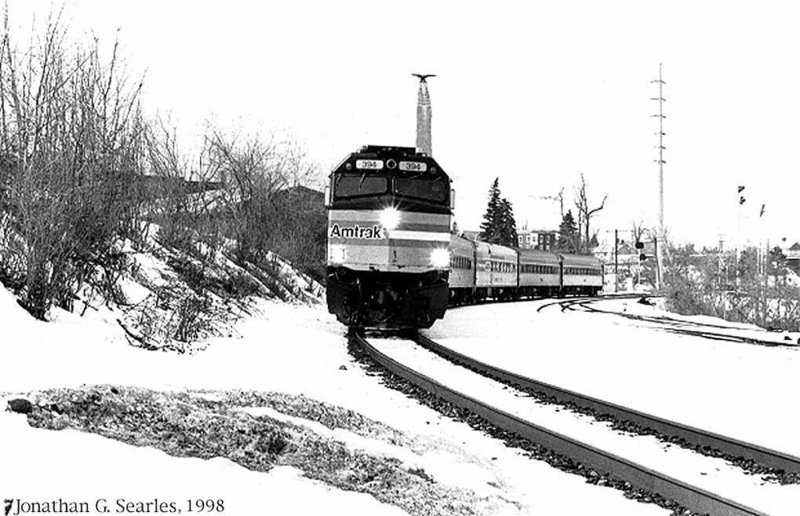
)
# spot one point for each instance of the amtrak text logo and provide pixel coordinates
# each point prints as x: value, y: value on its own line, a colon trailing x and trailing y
x: 357, y: 232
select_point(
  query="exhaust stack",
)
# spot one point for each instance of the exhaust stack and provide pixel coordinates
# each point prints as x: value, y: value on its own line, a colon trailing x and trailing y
x: 424, y: 143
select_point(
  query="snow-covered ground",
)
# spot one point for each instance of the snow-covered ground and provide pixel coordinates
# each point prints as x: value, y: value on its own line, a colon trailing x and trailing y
x: 295, y: 349
x: 740, y: 390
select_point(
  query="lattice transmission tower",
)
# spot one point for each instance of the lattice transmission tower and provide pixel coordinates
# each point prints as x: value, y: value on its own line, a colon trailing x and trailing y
x: 661, y: 148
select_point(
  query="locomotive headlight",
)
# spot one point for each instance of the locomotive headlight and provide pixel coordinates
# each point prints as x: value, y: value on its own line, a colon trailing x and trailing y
x: 390, y: 218
x: 440, y: 258
x: 337, y: 254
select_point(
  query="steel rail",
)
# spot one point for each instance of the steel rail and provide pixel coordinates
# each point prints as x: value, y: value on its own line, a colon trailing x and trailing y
x: 566, y: 303
x: 677, y: 326
x: 689, y: 496
x: 758, y: 454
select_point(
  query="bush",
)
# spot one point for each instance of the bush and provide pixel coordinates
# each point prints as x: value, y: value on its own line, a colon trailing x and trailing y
x: 81, y: 171
x: 70, y: 139
x: 749, y: 290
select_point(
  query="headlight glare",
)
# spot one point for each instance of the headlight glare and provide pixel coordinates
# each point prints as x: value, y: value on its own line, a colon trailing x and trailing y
x: 390, y: 218
x: 440, y: 258
x: 337, y: 254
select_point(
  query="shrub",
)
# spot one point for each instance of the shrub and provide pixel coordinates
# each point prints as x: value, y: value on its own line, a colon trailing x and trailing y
x: 71, y: 137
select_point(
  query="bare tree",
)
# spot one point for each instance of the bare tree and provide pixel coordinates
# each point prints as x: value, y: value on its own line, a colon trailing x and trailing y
x: 252, y: 169
x: 637, y: 230
x: 184, y: 193
x: 585, y: 212
x: 70, y: 131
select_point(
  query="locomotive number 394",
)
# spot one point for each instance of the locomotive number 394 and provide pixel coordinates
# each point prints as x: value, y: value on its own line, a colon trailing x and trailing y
x: 413, y: 166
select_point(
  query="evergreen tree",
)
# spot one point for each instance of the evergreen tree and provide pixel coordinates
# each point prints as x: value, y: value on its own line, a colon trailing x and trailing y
x: 490, y: 227
x: 593, y: 242
x: 567, y: 234
x: 498, y: 226
x: 508, y: 225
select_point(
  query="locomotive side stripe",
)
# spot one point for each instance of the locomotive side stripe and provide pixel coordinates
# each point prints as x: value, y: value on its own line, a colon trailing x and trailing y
x: 429, y: 236
x: 412, y: 217
x: 393, y: 244
x: 401, y: 226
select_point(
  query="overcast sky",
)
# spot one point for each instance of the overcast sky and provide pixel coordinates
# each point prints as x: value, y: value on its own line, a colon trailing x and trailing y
x: 531, y: 92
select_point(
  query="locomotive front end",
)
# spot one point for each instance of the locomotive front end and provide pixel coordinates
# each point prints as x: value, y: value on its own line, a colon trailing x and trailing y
x: 389, y: 217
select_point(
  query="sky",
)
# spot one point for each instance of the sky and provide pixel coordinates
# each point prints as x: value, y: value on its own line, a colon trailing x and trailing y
x: 534, y: 93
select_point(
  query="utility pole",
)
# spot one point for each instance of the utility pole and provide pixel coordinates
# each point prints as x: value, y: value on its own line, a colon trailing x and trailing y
x: 558, y: 197
x: 660, y: 161
x: 561, y: 201
x: 616, y: 260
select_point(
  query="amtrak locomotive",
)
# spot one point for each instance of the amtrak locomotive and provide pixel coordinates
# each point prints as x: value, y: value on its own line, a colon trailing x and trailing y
x: 389, y: 214
x: 393, y: 263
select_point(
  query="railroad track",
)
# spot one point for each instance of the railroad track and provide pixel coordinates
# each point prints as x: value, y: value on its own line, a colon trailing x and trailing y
x: 603, y: 462
x: 700, y: 438
x: 566, y: 304
x: 672, y: 325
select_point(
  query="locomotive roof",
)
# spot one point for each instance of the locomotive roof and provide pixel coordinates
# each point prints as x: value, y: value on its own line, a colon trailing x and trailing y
x: 388, y: 151
x: 381, y: 149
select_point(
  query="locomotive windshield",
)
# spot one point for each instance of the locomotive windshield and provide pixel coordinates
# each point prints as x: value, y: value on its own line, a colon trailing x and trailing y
x: 359, y: 185
x: 425, y: 189
x: 377, y: 176
x: 434, y: 189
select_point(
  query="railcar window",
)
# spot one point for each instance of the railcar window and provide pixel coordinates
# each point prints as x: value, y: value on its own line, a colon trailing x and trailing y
x: 433, y: 189
x: 461, y: 262
x: 359, y: 185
